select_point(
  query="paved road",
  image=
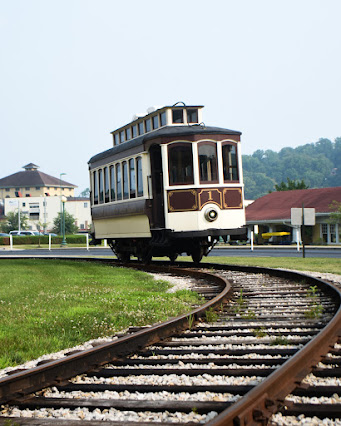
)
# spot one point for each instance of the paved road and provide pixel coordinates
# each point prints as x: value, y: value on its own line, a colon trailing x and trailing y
x: 328, y: 252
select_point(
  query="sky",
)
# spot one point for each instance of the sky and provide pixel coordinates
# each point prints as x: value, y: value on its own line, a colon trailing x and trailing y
x: 72, y: 71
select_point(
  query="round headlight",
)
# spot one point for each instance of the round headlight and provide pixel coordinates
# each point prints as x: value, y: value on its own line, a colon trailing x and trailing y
x: 211, y: 215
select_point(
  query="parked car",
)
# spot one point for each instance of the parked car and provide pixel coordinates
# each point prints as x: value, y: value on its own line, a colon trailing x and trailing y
x: 50, y: 233
x: 22, y: 233
x: 2, y: 234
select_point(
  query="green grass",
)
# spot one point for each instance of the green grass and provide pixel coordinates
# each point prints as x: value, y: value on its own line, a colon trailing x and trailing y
x: 49, y: 305
x: 317, y: 264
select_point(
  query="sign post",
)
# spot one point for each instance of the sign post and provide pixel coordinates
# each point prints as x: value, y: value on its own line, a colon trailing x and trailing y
x: 303, y: 217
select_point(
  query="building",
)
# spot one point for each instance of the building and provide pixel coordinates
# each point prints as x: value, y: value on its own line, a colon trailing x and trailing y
x: 37, y: 195
x: 41, y: 211
x: 272, y: 213
x: 33, y: 183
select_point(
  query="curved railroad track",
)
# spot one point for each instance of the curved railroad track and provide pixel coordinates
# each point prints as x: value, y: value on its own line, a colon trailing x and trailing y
x: 233, y: 360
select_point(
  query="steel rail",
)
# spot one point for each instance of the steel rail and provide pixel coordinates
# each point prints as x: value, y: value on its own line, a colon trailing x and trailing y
x: 257, y: 406
x: 59, y: 371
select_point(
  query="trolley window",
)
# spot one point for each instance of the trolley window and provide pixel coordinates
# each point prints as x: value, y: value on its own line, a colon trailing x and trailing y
x: 101, y: 192
x: 180, y: 164
x: 141, y: 128
x: 230, y: 163
x: 118, y: 182
x: 125, y: 180
x: 112, y: 182
x: 95, y: 189
x: 148, y: 125
x: 132, y: 178
x: 106, y: 184
x: 178, y: 115
x: 192, y: 116
x: 163, y: 120
x: 155, y: 122
x: 139, y: 177
x: 208, y: 166
x: 134, y: 130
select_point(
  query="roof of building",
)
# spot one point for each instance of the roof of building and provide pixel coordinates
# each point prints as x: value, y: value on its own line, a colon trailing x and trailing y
x: 277, y: 205
x: 163, y: 132
x: 32, y: 177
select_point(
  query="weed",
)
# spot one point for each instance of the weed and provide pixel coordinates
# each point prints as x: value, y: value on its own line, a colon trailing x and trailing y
x: 190, y: 321
x: 316, y: 309
x: 211, y: 315
x: 259, y: 332
x: 194, y: 410
x: 280, y: 340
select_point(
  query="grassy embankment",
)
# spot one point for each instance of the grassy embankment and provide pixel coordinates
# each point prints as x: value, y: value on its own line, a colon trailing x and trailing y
x: 46, y: 306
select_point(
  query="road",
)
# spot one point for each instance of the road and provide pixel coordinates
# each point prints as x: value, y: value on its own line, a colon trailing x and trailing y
x: 327, y: 252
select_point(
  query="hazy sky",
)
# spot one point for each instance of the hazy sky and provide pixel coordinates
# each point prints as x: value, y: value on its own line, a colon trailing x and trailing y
x: 74, y: 70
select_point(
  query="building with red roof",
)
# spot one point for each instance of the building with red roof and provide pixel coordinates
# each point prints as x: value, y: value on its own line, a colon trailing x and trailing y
x: 272, y: 213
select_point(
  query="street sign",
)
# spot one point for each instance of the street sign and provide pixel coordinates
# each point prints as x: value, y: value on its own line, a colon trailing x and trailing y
x: 296, y: 216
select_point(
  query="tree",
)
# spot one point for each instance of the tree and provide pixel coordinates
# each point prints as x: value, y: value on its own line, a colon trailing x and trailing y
x: 335, y: 215
x: 85, y: 193
x: 11, y: 222
x: 70, y: 227
x: 292, y: 184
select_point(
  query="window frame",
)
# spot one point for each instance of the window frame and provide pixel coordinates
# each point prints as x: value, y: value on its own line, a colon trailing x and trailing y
x: 235, y: 145
x: 213, y: 181
x: 169, y: 148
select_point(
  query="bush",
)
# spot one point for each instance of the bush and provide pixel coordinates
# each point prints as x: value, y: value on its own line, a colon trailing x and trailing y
x: 44, y: 239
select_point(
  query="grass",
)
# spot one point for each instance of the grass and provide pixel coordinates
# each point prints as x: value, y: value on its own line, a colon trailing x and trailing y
x: 316, y: 264
x: 46, y: 305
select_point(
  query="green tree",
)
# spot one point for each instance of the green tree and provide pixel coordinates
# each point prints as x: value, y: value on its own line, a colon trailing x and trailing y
x: 85, y: 193
x: 335, y: 215
x: 11, y: 222
x: 70, y: 227
x: 290, y: 185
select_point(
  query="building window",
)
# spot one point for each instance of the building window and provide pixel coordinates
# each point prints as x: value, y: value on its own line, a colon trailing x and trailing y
x: 85, y: 205
x: 112, y: 182
x: 116, y: 139
x: 139, y: 177
x: 324, y: 232
x: 7, y: 189
x: 178, y: 115
x: 208, y: 166
x: 28, y: 189
x: 332, y: 231
x: 38, y: 187
x: 128, y: 133
x: 192, y: 116
x: 122, y: 136
x: 230, y: 163
x: 24, y: 204
x: 180, y: 164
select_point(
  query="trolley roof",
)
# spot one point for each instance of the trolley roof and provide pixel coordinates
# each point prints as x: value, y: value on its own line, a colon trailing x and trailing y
x: 169, y: 131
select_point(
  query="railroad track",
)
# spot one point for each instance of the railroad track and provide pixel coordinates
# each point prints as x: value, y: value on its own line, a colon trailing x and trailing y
x: 233, y: 365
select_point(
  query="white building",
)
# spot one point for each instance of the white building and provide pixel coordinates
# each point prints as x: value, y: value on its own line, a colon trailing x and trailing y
x: 43, y: 210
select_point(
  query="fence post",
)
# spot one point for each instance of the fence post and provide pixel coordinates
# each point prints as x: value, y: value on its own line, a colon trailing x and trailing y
x: 50, y: 239
x: 10, y: 241
x: 87, y: 241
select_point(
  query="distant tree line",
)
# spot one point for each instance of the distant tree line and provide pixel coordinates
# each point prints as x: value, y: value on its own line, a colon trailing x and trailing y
x: 314, y: 165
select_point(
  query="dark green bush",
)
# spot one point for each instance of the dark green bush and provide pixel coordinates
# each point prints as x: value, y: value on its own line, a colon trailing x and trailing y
x: 44, y: 239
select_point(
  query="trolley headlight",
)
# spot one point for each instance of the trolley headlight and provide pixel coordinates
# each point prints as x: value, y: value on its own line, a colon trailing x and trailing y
x: 211, y: 215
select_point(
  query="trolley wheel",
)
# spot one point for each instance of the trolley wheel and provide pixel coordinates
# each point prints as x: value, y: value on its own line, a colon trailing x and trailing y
x: 123, y: 257
x: 145, y: 256
x: 197, y: 254
x: 173, y: 257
